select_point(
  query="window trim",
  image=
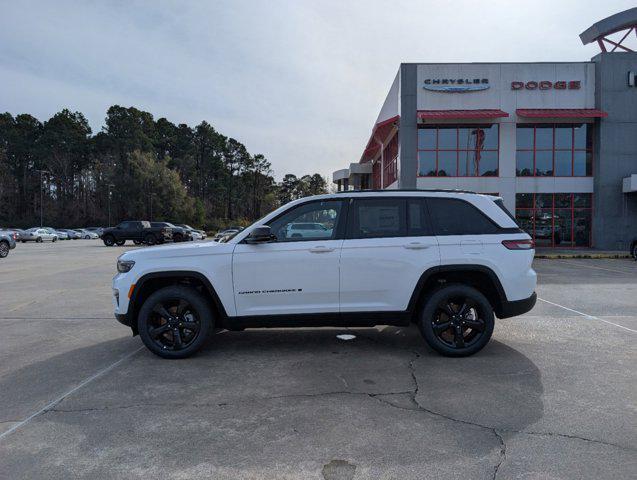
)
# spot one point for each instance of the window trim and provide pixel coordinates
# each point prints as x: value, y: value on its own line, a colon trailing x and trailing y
x: 457, y: 126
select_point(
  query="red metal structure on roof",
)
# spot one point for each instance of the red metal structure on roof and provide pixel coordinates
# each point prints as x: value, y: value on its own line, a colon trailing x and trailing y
x: 379, y: 135
x: 460, y: 114
x: 560, y: 113
x: 600, y: 31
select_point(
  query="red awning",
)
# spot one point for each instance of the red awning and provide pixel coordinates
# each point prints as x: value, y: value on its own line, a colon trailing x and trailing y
x: 560, y: 113
x: 379, y: 134
x: 460, y: 114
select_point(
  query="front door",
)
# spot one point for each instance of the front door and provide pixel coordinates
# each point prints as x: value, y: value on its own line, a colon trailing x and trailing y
x: 387, y: 247
x: 297, y: 273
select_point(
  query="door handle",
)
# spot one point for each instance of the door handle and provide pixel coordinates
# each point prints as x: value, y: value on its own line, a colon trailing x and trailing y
x: 321, y: 249
x: 416, y: 246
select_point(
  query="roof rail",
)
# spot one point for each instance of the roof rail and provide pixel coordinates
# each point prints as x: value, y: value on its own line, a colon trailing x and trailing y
x: 441, y: 190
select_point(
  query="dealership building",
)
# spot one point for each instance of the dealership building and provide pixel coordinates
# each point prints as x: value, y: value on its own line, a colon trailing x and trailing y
x: 557, y: 141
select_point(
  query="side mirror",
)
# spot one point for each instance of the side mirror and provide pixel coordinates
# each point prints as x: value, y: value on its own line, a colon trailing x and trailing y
x: 262, y: 234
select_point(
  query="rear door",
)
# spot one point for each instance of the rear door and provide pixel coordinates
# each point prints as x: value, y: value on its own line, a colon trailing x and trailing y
x: 388, y: 246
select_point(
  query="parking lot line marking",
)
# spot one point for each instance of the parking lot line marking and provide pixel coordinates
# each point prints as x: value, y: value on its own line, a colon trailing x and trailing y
x: 596, y: 268
x: 70, y: 392
x: 592, y: 317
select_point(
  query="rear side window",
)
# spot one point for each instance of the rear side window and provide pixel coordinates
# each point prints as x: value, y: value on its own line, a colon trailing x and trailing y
x: 377, y: 218
x: 500, y: 204
x: 450, y: 216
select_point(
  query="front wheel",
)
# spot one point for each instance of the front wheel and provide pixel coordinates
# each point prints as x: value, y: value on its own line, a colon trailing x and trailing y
x: 175, y: 322
x: 634, y: 251
x: 120, y: 242
x: 457, y: 320
x: 4, y: 249
x: 150, y: 239
x: 38, y: 240
x: 109, y: 240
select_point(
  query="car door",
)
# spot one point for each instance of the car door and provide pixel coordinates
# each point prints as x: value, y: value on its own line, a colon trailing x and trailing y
x: 388, y: 246
x: 294, y: 274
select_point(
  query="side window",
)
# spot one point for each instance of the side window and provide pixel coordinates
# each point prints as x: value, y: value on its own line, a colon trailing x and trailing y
x: 292, y: 226
x: 418, y: 224
x: 124, y: 225
x: 450, y: 216
x: 377, y: 218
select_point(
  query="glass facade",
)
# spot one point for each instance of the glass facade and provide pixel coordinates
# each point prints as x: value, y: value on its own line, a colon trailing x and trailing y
x: 390, y: 162
x: 458, y: 151
x: 554, y: 150
x: 555, y: 219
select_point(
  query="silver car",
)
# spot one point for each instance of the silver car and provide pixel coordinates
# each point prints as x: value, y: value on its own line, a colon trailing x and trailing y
x: 38, y: 235
x: 87, y: 234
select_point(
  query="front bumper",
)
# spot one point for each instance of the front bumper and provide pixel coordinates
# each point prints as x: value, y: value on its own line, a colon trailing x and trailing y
x: 123, y: 319
x: 517, y: 307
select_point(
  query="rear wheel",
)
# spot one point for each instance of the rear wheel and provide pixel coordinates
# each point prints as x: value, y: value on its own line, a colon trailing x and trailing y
x: 109, y: 240
x: 150, y: 239
x: 635, y: 251
x: 120, y: 242
x: 457, y: 320
x: 175, y: 322
x: 38, y: 240
x: 137, y: 242
x: 4, y: 249
x: 178, y: 238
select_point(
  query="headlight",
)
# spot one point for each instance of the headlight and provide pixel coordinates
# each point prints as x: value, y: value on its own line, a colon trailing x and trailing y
x: 124, y: 266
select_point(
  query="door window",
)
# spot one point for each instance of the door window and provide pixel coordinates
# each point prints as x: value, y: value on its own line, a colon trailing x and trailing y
x: 309, y: 221
x: 377, y: 218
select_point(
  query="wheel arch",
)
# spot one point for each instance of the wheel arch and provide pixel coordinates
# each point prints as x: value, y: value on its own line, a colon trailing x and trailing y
x: 480, y: 277
x: 151, y: 282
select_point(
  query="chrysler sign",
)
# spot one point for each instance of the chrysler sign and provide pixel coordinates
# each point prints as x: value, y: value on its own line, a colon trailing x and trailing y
x: 456, y: 85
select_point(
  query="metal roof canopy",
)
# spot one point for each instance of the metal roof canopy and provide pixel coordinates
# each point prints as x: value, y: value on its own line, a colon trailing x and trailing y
x: 626, y: 20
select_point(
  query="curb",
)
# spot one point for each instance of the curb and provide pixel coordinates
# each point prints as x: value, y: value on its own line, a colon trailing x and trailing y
x: 555, y: 256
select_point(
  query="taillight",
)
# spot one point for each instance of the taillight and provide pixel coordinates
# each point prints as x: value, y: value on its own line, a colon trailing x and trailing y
x: 519, y: 244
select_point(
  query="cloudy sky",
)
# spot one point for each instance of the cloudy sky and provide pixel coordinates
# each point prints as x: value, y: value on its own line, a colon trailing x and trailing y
x: 299, y: 81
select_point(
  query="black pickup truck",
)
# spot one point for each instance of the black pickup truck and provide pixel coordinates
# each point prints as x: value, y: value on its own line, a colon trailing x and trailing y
x: 137, y: 231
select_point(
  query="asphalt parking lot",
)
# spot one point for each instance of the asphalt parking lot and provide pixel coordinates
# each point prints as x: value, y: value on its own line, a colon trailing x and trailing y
x: 554, y: 395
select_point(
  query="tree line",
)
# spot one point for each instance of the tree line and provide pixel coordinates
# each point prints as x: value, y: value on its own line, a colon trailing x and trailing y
x: 136, y: 167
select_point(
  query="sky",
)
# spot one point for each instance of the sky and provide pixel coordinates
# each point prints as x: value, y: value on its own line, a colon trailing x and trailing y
x: 301, y: 82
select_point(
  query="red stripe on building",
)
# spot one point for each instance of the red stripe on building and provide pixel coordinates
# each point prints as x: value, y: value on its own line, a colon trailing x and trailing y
x: 560, y: 113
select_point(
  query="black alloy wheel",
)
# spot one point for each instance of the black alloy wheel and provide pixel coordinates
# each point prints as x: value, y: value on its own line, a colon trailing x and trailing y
x: 109, y: 240
x: 4, y: 249
x: 120, y: 242
x: 175, y: 322
x: 150, y: 239
x: 457, y: 320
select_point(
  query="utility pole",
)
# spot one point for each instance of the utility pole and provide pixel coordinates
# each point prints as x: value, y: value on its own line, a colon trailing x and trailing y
x: 42, y: 172
x: 110, y: 193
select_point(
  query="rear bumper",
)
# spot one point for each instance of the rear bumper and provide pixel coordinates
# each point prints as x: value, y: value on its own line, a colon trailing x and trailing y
x: 517, y: 307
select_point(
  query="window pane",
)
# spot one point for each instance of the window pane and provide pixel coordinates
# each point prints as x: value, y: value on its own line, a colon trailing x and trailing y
x: 457, y: 217
x: 427, y: 138
x: 582, y: 227
x: 418, y: 224
x: 562, y: 231
x: 447, y: 164
x: 582, y: 200
x: 378, y: 218
x: 426, y: 164
x: 524, y: 163
x: 544, y: 163
x: 544, y: 137
x: 488, y: 165
x: 524, y: 217
x: 563, y: 160
x: 467, y: 163
x: 524, y: 137
x: 582, y: 163
x: 447, y: 138
x: 490, y: 137
x: 466, y: 138
x: 563, y: 200
x: 524, y: 200
x: 563, y: 137
x: 544, y: 228
x: 312, y: 221
x: 543, y: 200
x: 580, y: 137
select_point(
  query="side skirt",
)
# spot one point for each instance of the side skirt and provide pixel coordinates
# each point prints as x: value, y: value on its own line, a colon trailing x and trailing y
x: 335, y: 319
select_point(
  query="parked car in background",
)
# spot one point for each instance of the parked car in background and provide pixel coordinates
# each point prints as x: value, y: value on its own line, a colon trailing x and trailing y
x: 87, y: 234
x: 201, y: 233
x: 62, y: 235
x: 38, y: 235
x: 18, y: 231
x: 72, y: 234
x: 7, y: 242
x: 138, y: 232
x: 180, y: 234
x: 225, y: 233
x: 96, y: 230
x: 308, y: 230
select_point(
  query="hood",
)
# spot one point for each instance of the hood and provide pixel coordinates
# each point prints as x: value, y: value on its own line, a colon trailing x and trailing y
x: 180, y: 250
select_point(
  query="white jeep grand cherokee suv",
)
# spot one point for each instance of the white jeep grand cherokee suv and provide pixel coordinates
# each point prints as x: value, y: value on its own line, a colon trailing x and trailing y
x: 449, y: 261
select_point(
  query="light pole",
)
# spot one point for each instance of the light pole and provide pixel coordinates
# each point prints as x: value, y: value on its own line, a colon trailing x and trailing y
x: 110, y: 185
x: 41, y: 194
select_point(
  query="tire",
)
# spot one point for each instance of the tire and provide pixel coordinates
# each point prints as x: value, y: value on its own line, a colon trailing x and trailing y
x: 197, y: 312
x: 109, y: 240
x: 4, y: 249
x: 150, y: 239
x: 38, y: 240
x: 137, y: 242
x: 24, y: 241
x: 178, y: 238
x: 54, y: 239
x: 465, y: 334
x: 634, y: 251
x: 87, y: 237
x: 119, y: 243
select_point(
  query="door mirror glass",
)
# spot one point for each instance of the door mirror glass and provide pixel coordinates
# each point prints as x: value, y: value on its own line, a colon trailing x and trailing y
x: 262, y: 234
